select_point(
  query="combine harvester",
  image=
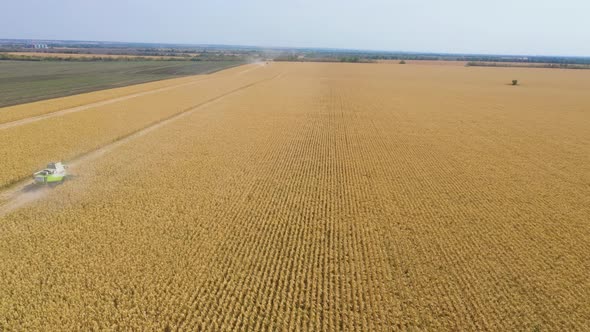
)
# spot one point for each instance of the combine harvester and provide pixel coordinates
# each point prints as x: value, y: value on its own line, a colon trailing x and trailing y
x: 54, y: 174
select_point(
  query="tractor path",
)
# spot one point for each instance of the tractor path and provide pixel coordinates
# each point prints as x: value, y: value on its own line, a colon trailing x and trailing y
x: 25, y: 192
x: 80, y: 108
x: 36, y: 118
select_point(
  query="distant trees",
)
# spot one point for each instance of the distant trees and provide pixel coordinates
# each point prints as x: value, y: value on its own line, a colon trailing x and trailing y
x: 350, y: 59
x: 403, y: 62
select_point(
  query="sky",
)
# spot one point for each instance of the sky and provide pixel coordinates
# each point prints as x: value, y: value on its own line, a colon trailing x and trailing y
x: 528, y: 27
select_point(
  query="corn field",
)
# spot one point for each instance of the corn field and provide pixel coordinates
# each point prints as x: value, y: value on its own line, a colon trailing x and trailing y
x: 316, y: 197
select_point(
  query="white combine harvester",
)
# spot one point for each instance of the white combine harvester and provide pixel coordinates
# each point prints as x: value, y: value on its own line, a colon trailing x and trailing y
x: 54, y: 173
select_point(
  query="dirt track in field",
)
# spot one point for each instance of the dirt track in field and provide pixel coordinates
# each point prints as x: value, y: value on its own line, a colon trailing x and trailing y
x: 92, y: 105
x: 25, y: 192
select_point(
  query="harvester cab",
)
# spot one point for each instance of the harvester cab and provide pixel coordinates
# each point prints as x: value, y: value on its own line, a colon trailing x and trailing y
x: 53, y: 174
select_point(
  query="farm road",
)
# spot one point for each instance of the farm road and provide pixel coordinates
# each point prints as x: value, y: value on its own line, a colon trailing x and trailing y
x: 25, y: 192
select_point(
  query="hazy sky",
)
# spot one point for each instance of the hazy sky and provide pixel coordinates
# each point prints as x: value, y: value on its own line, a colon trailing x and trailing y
x: 470, y: 26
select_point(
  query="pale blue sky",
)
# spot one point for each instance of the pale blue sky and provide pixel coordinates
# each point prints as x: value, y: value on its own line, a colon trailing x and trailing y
x: 539, y: 27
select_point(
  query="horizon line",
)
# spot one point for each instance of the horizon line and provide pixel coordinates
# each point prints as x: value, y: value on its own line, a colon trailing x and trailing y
x: 297, y: 48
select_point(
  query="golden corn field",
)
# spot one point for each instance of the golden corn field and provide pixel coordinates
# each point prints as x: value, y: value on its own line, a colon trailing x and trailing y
x: 305, y: 196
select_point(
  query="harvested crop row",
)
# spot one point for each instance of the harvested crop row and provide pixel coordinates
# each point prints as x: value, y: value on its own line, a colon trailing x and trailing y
x: 332, y: 198
x: 29, y: 147
x: 17, y: 112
